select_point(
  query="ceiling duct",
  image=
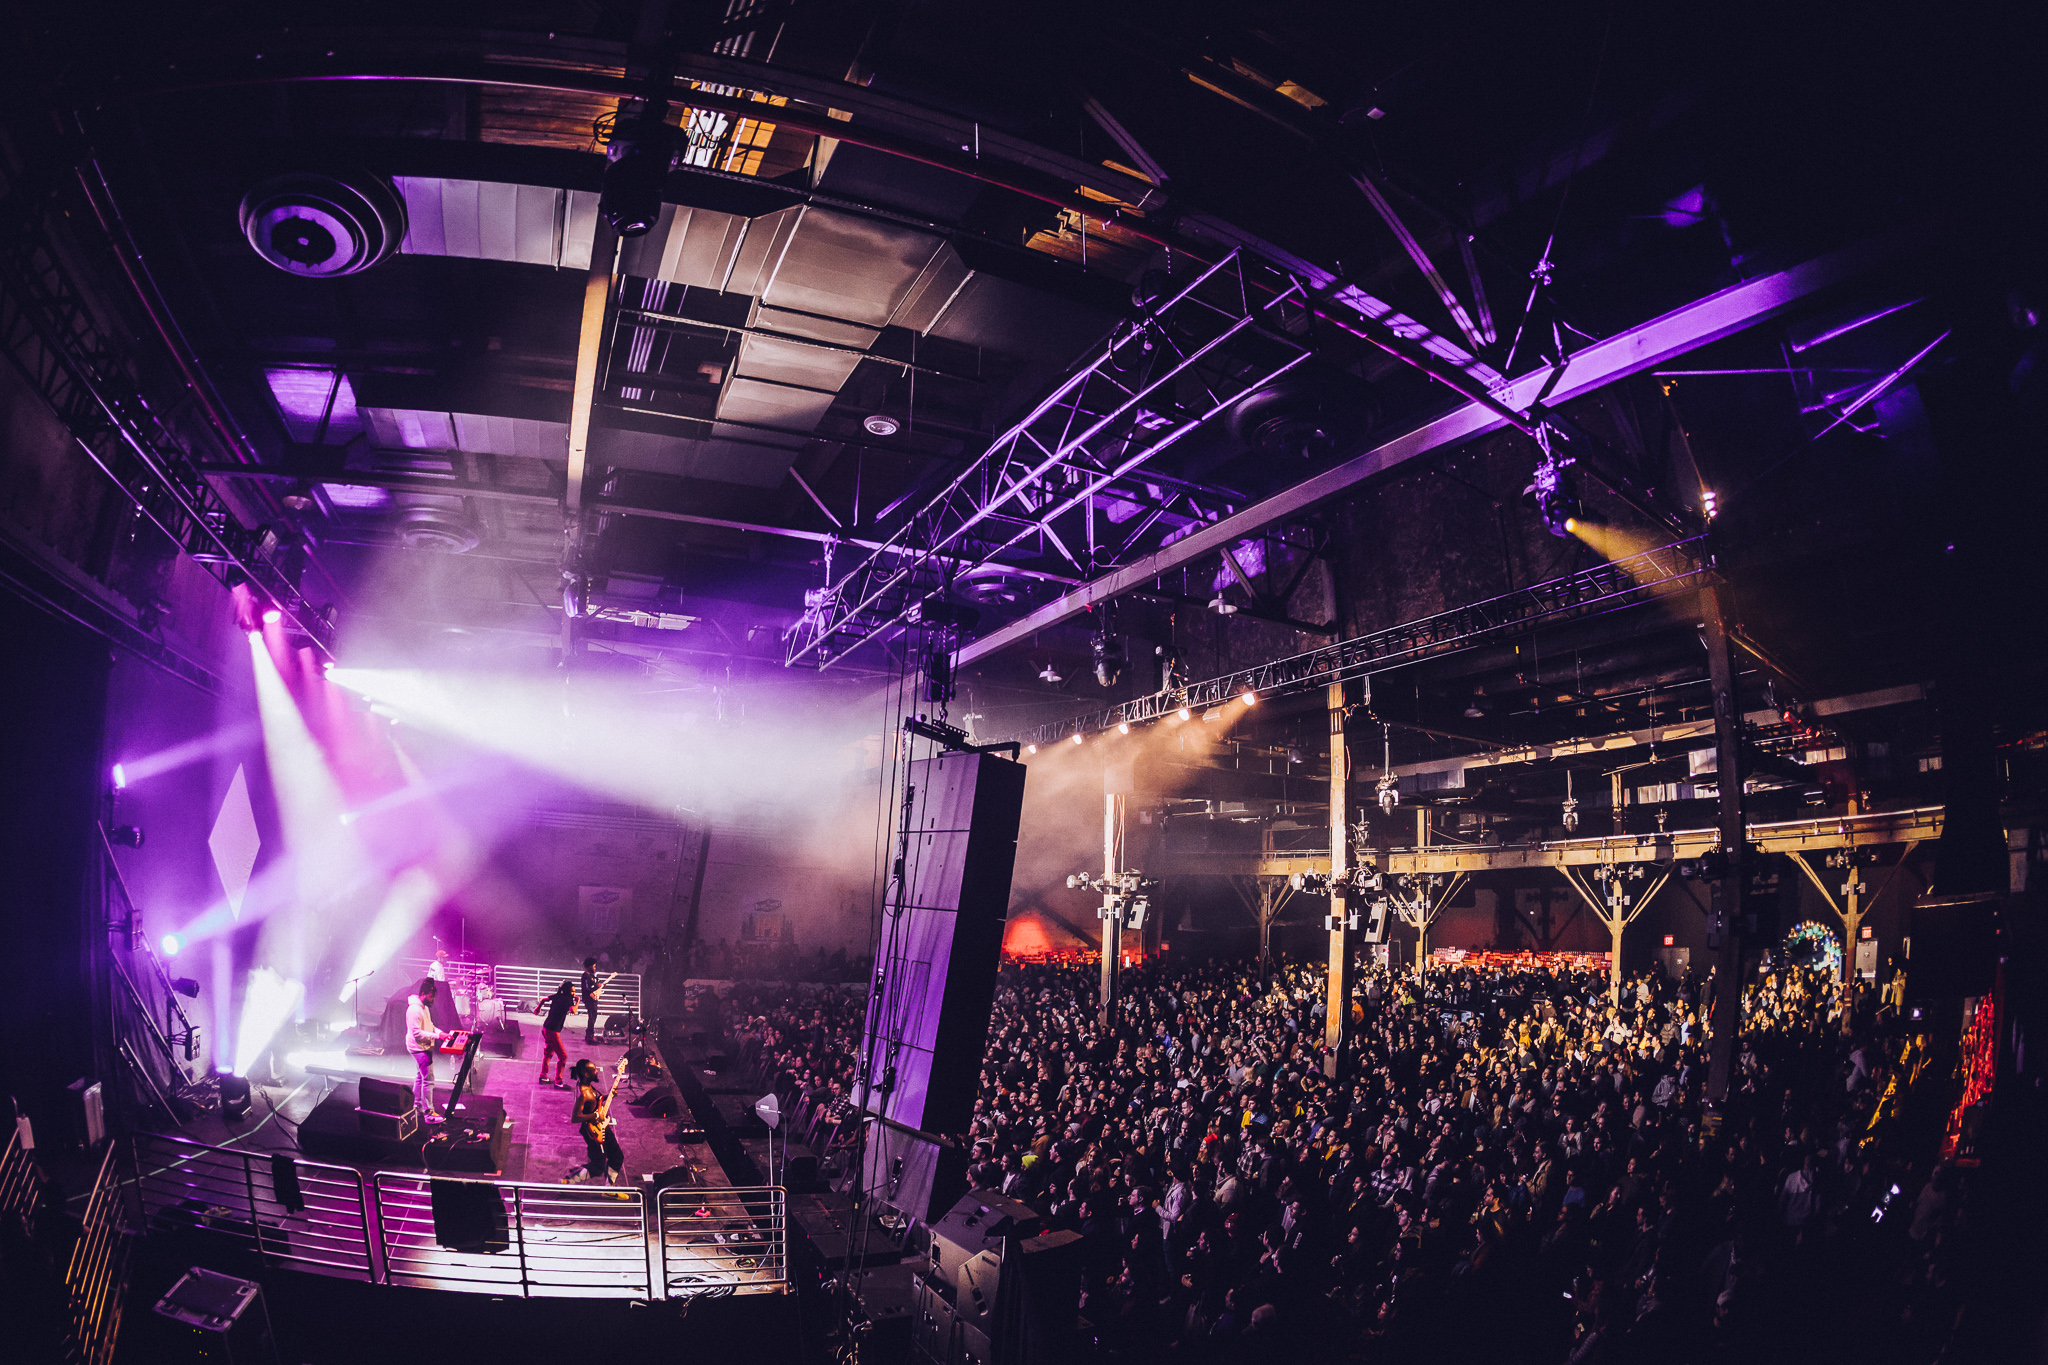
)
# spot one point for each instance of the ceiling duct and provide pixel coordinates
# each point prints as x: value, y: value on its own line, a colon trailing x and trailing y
x: 443, y: 530
x: 323, y: 226
x: 1308, y: 417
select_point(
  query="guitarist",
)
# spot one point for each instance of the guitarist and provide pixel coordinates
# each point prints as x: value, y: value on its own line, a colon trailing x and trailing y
x: 592, y: 988
x: 593, y: 1118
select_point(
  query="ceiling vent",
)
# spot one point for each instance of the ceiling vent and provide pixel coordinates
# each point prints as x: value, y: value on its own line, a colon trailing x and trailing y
x: 323, y: 226
x: 992, y: 585
x: 443, y: 530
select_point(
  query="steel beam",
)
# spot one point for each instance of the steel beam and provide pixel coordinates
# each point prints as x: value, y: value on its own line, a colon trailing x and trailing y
x: 1652, y: 343
x: 1603, y: 587
x: 1919, y: 823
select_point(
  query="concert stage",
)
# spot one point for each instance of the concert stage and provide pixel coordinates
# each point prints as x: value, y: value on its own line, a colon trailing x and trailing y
x: 525, y: 1127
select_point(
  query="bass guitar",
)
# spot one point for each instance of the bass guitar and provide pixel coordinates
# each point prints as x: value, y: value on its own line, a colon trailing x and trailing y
x: 600, y: 1119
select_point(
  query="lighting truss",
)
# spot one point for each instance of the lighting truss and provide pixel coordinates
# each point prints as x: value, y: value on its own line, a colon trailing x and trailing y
x: 1602, y: 588
x: 1035, y: 490
x: 83, y: 369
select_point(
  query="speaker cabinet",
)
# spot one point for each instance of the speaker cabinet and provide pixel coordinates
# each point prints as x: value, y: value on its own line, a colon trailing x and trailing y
x: 935, y: 974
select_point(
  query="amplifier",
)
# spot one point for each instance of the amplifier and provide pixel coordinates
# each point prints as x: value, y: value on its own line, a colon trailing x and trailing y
x: 397, y: 1127
x: 378, y: 1095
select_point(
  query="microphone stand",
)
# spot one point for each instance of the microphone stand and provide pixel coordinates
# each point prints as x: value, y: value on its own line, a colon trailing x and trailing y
x: 355, y: 998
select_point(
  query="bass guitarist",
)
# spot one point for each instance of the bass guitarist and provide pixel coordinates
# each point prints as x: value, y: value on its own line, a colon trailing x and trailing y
x: 593, y: 1118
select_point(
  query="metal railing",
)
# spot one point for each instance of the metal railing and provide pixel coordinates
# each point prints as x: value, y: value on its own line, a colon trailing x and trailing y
x: 493, y: 1237
x: 234, y: 1198
x: 20, y: 1184
x: 542, y: 1241
x: 525, y: 985
x: 96, y: 1281
x: 713, y: 1241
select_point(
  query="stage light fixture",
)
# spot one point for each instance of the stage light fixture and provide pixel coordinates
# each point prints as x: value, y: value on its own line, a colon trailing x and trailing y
x: 639, y: 156
x: 1250, y: 698
x: 1709, y: 503
x: 1077, y: 737
x: 1222, y: 606
x: 172, y: 944
x: 127, y: 836
x: 880, y: 424
x: 1031, y: 748
x: 1123, y: 727
x: 234, y: 1095
x: 120, y: 778
x: 1184, y: 713
x: 272, y: 616
x: 186, y: 987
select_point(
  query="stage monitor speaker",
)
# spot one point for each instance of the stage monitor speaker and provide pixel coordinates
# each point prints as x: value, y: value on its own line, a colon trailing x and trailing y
x: 662, y: 1107
x: 234, y: 1096
x: 469, y: 1215
x: 380, y: 1096
x: 935, y: 974
x: 1954, y: 947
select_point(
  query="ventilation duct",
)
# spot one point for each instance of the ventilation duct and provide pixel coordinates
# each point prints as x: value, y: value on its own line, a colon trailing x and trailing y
x: 323, y: 226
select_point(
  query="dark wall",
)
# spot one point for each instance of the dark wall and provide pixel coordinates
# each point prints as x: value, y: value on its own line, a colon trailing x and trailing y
x: 50, y: 763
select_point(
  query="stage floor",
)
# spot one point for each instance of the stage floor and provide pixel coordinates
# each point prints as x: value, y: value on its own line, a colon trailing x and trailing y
x: 544, y: 1146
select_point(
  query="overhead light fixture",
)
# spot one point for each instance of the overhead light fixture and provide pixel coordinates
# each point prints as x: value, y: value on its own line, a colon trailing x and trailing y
x: 1473, y: 709
x: 172, y: 944
x: 1123, y: 727
x: 881, y: 424
x: 1250, y: 698
x: 1031, y: 748
x: 1221, y: 606
x: 120, y: 778
x: 639, y: 154
x: 1184, y: 713
x: 1709, y: 503
x: 1050, y: 674
x: 300, y: 497
x: 1077, y: 736
x: 127, y: 836
x: 186, y: 987
x: 272, y: 617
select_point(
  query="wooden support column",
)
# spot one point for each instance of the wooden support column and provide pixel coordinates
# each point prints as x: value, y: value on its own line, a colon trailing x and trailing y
x: 1725, y: 1015
x: 1337, y: 1002
x: 1112, y: 914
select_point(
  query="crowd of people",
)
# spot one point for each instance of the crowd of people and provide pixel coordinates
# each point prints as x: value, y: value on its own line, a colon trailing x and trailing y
x: 1512, y: 1165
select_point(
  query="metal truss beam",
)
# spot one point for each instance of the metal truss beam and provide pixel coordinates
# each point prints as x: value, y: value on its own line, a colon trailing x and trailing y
x: 1631, y: 352
x: 90, y: 378
x: 1602, y: 588
x: 1154, y: 383
x: 1786, y: 836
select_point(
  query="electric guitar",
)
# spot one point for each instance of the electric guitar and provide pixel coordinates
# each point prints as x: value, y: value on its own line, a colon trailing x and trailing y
x: 601, y: 1119
x: 598, y: 989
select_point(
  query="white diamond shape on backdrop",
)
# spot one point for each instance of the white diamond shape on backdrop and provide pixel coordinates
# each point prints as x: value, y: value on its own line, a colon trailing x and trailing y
x: 234, y: 841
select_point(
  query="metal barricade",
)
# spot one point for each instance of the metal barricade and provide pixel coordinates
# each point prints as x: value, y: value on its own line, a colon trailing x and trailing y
x: 722, y: 1241
x: 233, y: 1196
x: 96, y: 1281
x: 544, y: 1241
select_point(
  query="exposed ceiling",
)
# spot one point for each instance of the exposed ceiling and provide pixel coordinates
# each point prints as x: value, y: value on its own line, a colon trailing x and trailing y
x: 894, y: 228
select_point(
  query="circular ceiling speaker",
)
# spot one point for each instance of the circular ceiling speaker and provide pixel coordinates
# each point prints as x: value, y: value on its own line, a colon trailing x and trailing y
x: 881, y: 424
x: 440, y: 529
x: 323, y: 226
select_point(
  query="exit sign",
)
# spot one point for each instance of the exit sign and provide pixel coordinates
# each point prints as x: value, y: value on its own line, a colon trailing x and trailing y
x: 1670, y: 939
